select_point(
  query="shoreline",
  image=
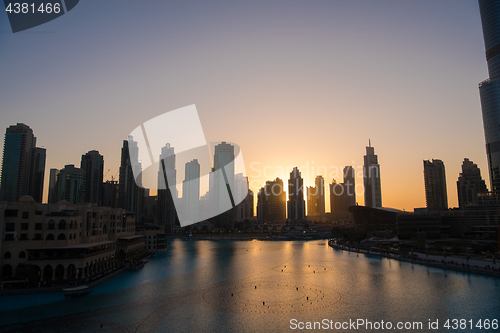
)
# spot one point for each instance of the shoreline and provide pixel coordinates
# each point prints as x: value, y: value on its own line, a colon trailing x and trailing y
x: 465, y: 268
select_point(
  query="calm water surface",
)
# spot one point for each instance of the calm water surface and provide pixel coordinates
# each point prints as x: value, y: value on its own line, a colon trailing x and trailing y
x: 255, y: 286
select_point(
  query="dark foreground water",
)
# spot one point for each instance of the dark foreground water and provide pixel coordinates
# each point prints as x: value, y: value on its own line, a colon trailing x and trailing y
x: 255, y: 286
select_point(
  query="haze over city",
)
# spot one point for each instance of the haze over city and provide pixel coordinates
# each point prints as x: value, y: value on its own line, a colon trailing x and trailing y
x: 293, y: 84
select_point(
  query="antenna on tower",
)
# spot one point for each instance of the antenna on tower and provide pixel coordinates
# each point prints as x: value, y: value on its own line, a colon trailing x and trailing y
x: 369, y: 143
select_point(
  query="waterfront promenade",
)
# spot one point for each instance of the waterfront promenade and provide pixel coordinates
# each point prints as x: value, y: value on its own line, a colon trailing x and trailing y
x: 473, y: 265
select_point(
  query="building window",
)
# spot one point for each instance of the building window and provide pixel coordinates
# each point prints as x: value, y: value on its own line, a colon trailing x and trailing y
x: 7, y: 255
x: 38, y: 226
x: 22, y: 255
x: 49, y: 237
x: 24, y: 226
x: 26, y: 215
x: 38, y: 212
x: 38, y: 236
x: 24, y: 236
x: 11, y: 212
x: 10, y: 227
x: 9, y: 237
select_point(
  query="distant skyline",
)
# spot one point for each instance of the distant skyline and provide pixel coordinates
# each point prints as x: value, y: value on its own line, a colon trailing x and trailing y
x: 293, y: 84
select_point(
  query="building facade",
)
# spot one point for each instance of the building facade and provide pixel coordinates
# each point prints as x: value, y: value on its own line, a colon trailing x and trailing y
x: 469, y: 185
x: 93, y: 165
x: 296, y: 203
x: 271, y: 202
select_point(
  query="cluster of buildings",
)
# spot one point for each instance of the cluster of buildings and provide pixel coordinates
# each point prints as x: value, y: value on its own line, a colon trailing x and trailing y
x: 272, y: 206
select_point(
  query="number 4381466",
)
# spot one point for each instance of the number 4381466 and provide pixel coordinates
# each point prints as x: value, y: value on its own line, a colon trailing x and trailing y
x: 25, y: 8
x: 463, y: 324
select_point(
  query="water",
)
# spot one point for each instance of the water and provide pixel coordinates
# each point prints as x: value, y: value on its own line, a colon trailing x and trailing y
x: 255, y: 286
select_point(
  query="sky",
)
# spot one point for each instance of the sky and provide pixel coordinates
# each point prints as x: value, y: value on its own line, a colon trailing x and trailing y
x: 293, y: 83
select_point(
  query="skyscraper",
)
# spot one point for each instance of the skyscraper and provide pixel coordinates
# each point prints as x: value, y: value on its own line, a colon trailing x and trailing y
x: 130, y: 194
x: 435, y: 186
x: 489, y: 89
x: 316, y: 197
x: 271, y: 202
x: 23, y: 165
x: 38, y: 173
x: 296, y: 203
x: 166, y: 208
x: 93, y: 165
x: 70, y: 184
x: 52, y: 185
x: 469, y: 185
x: 191, y: 189
x: 371, y: 178
x: 342, y: 196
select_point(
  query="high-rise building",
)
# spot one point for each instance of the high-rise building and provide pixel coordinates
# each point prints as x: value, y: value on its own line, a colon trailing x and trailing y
x: 93, y: 165
x: 166, y: 208
x: 371, y: 178
x: 70, y: 185
x: 489, y: 89
x: 271, y: 202
x: 191, y: 189
x: 243, y: 210
x: 316, y: 197
x: 52, y: 185
x: 23, y: 165
x: 223, y: 158
x: 435, y: 185
x: 342, y: 195
x: 38, y: 173
x: 296, y: 203
x: 130, y: 194
x: 469, y: 185
x: 110, y: 192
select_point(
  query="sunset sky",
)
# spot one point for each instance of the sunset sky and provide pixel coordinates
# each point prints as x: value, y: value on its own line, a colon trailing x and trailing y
x: 293, y: 83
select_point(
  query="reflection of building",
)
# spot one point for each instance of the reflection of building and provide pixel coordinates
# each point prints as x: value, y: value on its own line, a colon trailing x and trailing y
x: 296, y: 204
x: 490, y: 89
x: 371, y: 178
x: 342, y: 195
x: 93, y: 165
x: 316, y: 198
x: 271, y: 202
x: 23, y: 165
x: 70, y: 184
x: 131, y: 194
x: 435, y: 185
x: 469, y: 185
x: 65, y: 241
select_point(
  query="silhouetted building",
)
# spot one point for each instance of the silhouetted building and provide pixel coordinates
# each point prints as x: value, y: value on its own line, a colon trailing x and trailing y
x: 436, y: 195
x: 490, y: 89
x: 110, y: 193
x: 243, y: 210
x: 93, y: 165
x: 191, y: 189
x: 130, y: 194
x: 469, y: 185
x: 23, y: 165
x: 271, y: 202
x: 296, y: 203
x: 371, y: 178
x: 38, y: 173
x: 52, y: 185
x: 316, y: 197
x: 343, y: 196
x: 167, y: 216
x: 70, y: 185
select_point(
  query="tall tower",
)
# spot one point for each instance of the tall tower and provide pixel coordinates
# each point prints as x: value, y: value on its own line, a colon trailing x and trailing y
x: 18, y: 165
x: 191, y: 189
x: 435, y: 186
x: 489, y: 89
x: 296, y: 203
x: 371, y: 178
x: 93, y: 165
x: 70, y: 184
x: 166, y: 208
x: 130, y: 194
x: 469, y: 185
